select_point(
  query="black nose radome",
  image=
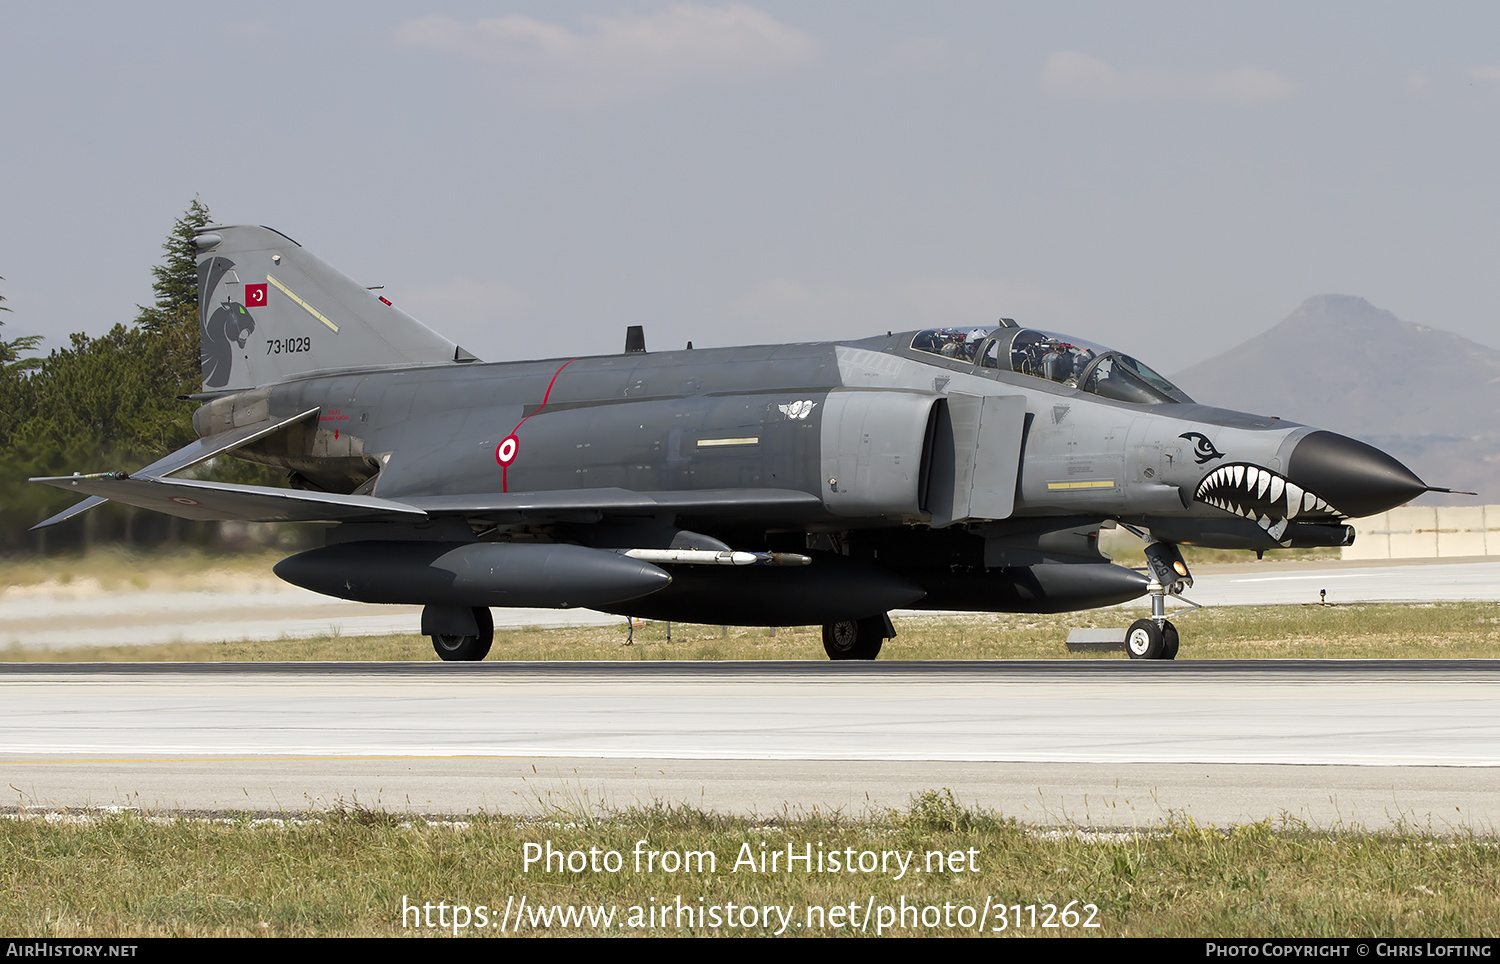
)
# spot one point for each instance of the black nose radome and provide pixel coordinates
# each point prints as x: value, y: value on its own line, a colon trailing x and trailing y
x: 1355, y: 478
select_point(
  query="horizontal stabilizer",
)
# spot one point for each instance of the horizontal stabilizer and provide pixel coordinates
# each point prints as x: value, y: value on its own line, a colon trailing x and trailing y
x: 68, y: 513
x: 189, y: 455
x: 216, y: 445
x: 209, y: 501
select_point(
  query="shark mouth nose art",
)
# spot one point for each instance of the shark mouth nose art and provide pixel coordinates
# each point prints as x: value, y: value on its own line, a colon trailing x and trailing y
x: 1334, y: 476
x: 1258, y: 494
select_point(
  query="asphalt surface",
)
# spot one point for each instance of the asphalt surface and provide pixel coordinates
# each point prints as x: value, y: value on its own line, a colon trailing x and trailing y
x: 1109, y: 744
x: 1114, y: 744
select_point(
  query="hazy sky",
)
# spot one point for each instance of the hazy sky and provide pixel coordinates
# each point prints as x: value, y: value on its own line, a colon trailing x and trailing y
x: 530, y: 178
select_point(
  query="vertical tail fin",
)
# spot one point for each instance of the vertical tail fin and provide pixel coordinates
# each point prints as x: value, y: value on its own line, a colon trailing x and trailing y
x: 268, y: 311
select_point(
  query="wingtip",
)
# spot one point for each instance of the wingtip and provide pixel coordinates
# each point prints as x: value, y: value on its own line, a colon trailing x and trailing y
x: 69, y: 513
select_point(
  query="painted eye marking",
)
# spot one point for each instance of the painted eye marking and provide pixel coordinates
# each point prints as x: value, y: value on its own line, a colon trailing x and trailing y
x: 505, y: 452
x: 1203, y: 449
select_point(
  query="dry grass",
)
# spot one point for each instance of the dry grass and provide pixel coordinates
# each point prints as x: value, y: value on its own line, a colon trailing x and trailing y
x: 117, y: 568
x: 347, y: 872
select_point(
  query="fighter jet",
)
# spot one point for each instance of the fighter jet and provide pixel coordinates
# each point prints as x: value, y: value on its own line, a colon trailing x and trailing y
x: 957, y: 468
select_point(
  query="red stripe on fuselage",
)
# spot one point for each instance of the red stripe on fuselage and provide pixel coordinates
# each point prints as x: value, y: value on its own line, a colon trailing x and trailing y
x: 505, y: 469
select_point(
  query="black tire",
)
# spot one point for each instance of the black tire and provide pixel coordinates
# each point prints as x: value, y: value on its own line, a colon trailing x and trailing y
x: 1169, y: 641
x: 854, y: 638
x: 459, y: 649
x: 1144, y: 640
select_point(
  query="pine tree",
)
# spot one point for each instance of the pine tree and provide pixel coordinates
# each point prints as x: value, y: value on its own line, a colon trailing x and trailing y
x: 176, y: 284
x: 15, y: 361
x: 12, y: 362
x: 173, y: 322
x: 105, y: 402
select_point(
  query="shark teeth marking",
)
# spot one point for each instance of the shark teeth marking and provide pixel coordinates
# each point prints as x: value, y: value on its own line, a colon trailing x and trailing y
x: 1259, y: 494
x: 1293, y: 500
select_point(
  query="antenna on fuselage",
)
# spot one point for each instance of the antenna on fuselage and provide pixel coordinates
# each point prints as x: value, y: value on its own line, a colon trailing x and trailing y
x: 635, y: 340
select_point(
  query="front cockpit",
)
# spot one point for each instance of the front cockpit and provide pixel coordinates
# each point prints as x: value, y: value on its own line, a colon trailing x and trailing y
x: 1070, y: 362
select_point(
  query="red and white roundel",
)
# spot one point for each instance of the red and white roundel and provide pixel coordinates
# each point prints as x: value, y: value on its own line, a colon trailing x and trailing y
x: 184, y: 500
x: 505, y: 452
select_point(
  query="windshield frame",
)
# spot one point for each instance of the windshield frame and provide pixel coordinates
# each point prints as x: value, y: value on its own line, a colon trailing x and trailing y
x: 1137, y: 375
x: 1064, y: 361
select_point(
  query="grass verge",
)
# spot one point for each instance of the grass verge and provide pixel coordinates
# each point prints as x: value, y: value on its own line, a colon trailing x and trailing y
x: 350, y: 872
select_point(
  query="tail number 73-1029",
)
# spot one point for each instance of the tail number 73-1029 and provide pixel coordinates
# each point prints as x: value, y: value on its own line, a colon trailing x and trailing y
x: 287, y: 346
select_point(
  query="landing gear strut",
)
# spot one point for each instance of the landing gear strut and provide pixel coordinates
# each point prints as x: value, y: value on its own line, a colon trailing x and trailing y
x: 1156, y: 637
x: 857, y: 638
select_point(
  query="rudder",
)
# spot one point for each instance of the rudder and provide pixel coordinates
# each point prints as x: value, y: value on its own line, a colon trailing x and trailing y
x: 269, y: 311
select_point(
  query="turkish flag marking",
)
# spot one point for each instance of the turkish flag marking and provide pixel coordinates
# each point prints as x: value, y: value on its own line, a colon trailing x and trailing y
x: 255, y: 296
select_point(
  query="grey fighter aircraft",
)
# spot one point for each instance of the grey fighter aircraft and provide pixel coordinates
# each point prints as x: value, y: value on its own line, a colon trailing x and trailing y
x: 962, y: 468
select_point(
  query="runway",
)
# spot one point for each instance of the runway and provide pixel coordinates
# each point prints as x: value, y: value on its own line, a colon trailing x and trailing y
x: 1104, y: 743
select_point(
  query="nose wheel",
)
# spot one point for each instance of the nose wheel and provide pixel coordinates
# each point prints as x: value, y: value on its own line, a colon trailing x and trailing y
x: 1169, y: 641
x: 1156, y: 637
x: 1148, y: 639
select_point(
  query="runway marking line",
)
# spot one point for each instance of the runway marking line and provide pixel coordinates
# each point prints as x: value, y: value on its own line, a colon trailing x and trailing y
x: 1341, y: 575
x: 270, y: 759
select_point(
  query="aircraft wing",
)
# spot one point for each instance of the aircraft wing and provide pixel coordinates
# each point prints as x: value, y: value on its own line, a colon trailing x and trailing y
x: 189, y: 455
x: 222, y: 501
x: 587, y: 504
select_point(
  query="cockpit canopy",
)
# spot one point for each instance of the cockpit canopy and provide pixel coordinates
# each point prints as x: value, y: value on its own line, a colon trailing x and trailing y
x: 1069, y: 361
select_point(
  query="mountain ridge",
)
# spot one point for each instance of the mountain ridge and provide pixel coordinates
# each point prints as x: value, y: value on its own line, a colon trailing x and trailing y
x: 1427, y: 396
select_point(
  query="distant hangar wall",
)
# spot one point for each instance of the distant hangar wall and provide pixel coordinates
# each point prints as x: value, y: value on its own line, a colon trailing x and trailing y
x: 1427, y: 532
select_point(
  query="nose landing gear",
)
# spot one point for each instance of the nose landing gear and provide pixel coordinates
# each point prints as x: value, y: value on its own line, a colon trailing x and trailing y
x: 1156, y: 637
x: 1148, y: 639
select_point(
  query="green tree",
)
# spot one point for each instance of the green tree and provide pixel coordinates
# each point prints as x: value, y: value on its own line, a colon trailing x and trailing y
x: 15, y: 362
x: 101, y: 403
x: 13, y: 354
x: 108, y: 403
x: 173, y: 320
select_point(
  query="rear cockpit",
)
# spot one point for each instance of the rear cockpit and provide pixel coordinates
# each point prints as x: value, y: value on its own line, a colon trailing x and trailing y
x: 1067, y: 361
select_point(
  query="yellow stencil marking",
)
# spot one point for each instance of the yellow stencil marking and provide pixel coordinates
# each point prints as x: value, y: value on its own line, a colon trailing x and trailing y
x: 708, y: 442
x: 305, y: 306
x: 1091, y: 484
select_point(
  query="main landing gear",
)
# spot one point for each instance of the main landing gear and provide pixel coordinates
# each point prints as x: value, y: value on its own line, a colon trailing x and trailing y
x: 1155, y: 637
x: 857, y: 638
x: 459, y: 634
